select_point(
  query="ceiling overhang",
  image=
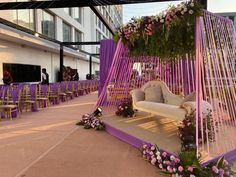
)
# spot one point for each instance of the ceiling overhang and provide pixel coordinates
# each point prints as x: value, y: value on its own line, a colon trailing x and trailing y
x: 69, y: 3
x: 79, y: 3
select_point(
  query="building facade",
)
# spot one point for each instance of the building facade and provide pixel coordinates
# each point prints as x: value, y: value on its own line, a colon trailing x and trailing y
x: 225, y: 8
x: 230, y: 15
x: 33, y: 39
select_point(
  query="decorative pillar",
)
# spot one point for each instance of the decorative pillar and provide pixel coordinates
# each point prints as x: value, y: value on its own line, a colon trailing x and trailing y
x: 107, y: 51
x: 61, y: 63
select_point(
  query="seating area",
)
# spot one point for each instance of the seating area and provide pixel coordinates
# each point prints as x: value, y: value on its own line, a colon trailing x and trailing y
x: 156, y: 98
x: 22, y: 97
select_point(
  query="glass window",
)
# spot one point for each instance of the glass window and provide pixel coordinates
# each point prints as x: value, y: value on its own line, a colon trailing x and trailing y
x: 103, y: 27
x: 23, y: 18
x: 97, y: 50
x: 98, y: 35
x: 31, y: 20
x: 68, y: 11
x: 78, y: 38
x: 78, y: 14
x: 48, y: 24
x: 96, y: 20
x: 66, y: 32
x: 9, y: 15
x: 99, y: 23
x: 103, y: 10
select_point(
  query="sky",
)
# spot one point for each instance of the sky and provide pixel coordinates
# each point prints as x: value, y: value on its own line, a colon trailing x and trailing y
x: 222, y: 5
x: 147, y: 9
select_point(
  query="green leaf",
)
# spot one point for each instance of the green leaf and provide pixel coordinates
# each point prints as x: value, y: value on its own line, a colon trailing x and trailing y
x: 116, y: 37
x: 220, y: 162
x: 189, y: 158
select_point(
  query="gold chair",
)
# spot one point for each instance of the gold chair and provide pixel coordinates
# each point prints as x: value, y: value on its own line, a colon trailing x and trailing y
x: 26, y: 99
x: 6, y: 109
x: 69, y: 93
x: 62, y: 95
x: 42, y: 100
x: 53, y: 95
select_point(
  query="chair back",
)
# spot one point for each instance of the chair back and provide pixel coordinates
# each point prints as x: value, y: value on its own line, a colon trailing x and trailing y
x: 33, y: 90
x: 44, y: 89
x: 54, y: 88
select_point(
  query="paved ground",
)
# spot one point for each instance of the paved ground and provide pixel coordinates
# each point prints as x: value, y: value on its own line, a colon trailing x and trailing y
x: 88, y: 153
x: 48, y: 144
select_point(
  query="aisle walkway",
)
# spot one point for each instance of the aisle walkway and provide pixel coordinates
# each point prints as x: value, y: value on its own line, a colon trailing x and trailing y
x: 48, y: 144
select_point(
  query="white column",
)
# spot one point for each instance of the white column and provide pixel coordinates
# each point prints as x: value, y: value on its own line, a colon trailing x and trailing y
x: 38, y: 18
x: 72, y: 34
x: 59, y: 29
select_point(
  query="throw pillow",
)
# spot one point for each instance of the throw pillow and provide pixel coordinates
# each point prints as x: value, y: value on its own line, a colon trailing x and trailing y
x: 190, y: 97
x: 154, y: 94
x: 172, y: 99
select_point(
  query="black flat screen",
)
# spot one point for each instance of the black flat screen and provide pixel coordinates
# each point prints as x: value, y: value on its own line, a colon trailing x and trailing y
x: 23, y: 72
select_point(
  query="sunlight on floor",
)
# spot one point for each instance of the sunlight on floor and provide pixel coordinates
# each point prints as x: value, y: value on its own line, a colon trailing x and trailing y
x: 33, y: 130
x: 153, y: 129
x: 15, y: 126
x: 72, y: 105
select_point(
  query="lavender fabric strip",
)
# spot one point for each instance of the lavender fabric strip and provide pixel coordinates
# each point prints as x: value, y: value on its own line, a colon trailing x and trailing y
x: 107, y: 51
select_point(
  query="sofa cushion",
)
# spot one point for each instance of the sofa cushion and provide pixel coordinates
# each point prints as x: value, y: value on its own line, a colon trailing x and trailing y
x: 154, y: 94
x: 168, y: 99
x: 162, y: 109
x: 190, y: 97
x: 190, y: 106
x: 137, y: 95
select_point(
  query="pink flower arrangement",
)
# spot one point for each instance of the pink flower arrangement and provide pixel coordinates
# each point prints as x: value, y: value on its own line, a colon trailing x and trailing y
x: 215, y: 169
x: 171, y: 164
x: 190, y: 169
x: 91, y: 121
x: 161, y: 159
x: 125, y: 109
x: 148, y: 24
x: 180, y: 169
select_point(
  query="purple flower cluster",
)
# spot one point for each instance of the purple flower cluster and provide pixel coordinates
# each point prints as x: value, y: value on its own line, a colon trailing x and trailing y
x: 178, y: 168
x: 218, y: 171
x: 187, y: 133
x: 223, y: 170
x: 164, y: 161
x: 125, y: 109
x: 91, y: 121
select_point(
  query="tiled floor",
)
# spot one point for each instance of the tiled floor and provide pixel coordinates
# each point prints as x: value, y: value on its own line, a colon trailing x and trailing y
x: 48, y: 144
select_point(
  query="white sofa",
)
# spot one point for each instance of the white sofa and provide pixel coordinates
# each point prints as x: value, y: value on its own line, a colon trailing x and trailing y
x: 156, y: 98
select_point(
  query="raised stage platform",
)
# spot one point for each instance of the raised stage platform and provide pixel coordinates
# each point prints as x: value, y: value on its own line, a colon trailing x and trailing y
x: 147, y: 128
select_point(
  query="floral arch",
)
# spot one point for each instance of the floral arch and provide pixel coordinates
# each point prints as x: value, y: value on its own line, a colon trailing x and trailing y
x: 190, y: 49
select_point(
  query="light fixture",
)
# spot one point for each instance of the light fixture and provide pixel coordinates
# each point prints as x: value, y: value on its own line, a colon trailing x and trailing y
x: 98, y: 112
x: 36, y: 34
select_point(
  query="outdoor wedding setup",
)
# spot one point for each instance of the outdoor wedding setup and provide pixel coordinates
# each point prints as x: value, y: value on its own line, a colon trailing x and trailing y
x: 173, y: 77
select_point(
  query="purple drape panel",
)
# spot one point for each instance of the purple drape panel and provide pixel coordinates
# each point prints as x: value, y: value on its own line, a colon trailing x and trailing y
x: 107, y: 51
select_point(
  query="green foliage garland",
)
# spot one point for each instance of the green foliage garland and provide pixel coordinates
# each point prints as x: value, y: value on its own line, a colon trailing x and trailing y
x: 168, y: 35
